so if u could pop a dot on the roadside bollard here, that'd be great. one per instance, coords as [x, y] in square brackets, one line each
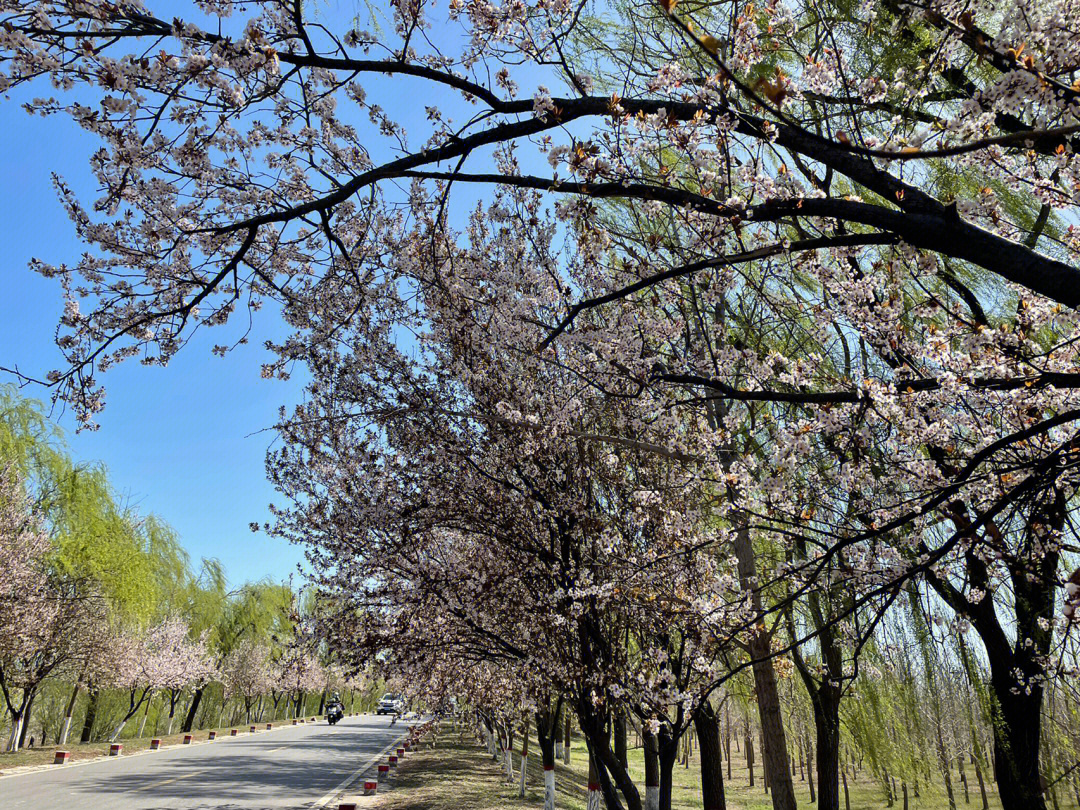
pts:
[392, 760]
[253, 729]
[234, 732]
[61, 758]
[269, 726]
[370, 787]
[187, 739]
[401, 753]
[347, 806]
[295, 722]
[212, 735]
[116, 749]
[384, 773]
[155, 744]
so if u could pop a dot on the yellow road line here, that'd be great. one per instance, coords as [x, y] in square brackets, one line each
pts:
[177, 778]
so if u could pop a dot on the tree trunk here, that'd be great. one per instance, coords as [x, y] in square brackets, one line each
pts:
[748, 748]
[547, 728]
[142, 723]
[61, 739]
[620, 737]
[524, 759]
[1016, 743]
[91, 716]
[189, 721]
[668, 754]
[774, 755]
[592, 801]
[652, 772]
[27, 712]
[707, 725]
[566, 739]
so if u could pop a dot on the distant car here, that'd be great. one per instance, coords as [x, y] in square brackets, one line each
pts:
[391, 704]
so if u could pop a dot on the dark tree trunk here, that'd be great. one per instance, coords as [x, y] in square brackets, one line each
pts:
[620, 738]
[189, 721]
[775, 754]
[827, 730]
[707, 725]
[27, 713]
[1016, 743]
[652, 770]
[91, 716]
[667, 754]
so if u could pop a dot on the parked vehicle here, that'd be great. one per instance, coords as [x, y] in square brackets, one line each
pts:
[391, 704]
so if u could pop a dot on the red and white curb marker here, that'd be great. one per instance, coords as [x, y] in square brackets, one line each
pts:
[61, 758]
[155, 744]
[370, 787]
[253, 729]
[269, 726]
[392, 761]
[384, 773]
[187, 739]
[234, 732]
[401, 753]
[347, 806]
[212, 735]
[295, 722]
[116, 749]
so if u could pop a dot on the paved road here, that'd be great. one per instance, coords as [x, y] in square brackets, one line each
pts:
[295, 767]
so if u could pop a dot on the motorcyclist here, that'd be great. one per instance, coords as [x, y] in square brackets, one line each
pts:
[334, 709]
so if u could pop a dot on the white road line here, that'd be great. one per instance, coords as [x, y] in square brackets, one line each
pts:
[352, 777]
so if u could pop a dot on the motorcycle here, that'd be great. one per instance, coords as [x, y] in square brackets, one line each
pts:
[334, 713]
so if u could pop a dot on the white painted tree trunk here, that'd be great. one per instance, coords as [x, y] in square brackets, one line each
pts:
[549, 789]
[142, 723]
[66, 729]
[524, 774]
[508, 761]
[566, 755]
[119, 728]
[652, 797]
[559, 750]
[13, 740]
[593, 802]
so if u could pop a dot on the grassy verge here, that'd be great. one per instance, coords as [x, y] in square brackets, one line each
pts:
[459, 774]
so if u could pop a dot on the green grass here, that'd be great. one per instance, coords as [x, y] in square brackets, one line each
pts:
[459, 774]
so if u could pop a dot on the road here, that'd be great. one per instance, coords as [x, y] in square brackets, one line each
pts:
[294, 767]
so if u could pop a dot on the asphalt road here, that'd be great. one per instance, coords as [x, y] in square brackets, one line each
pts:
[295, 767]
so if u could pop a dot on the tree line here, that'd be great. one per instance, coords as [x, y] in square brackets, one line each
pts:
[106, 627]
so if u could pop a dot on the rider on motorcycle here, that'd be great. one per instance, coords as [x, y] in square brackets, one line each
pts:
[334, 710]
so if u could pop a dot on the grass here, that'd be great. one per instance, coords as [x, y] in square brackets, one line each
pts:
[459, 774]
[43, 754]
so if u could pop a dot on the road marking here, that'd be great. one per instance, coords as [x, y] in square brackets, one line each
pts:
[352, 777]
[279, 748]
[178, 778]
